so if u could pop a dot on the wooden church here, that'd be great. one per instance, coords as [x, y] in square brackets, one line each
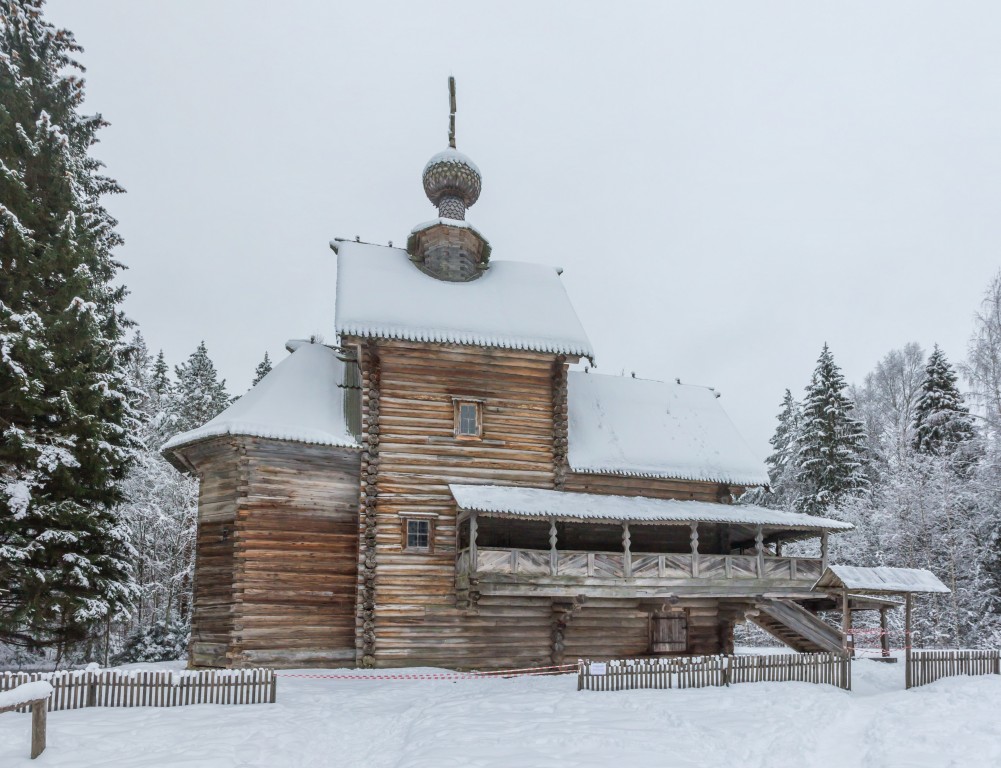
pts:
[446, 486]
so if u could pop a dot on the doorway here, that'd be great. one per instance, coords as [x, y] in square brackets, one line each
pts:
[669, 633]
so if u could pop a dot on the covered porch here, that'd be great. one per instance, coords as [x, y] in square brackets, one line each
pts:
[531, 541]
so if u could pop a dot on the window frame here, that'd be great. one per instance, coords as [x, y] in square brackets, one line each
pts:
[417, 517]
[457, 405]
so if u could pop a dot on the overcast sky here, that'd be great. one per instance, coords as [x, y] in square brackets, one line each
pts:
[727, 185]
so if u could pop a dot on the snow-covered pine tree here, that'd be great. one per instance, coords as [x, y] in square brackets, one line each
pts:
[199, 395]
[262, 370]
[161, 376]
[782, 469]
[830, 457]
[64, 422]
[942, 422]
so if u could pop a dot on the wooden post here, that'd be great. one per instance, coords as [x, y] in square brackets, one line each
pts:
[627, 566]
[472, 543]
[693, 537]
[778, 547]
[846, 623]
[38, 715]
[823, 551]
[553, 556]
[884, 638]
[759, 547]
[907, 641]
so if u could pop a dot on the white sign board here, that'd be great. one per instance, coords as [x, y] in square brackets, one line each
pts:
[599, 668]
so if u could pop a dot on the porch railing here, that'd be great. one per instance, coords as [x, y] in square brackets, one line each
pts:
[540, 562]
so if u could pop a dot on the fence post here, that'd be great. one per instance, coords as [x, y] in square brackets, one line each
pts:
[907, 641]
[274, 686]
[38, 714]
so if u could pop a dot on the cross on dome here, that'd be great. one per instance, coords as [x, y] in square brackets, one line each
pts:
[452, 181]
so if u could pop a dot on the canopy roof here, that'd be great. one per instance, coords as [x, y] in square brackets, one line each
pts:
[543, 503]
[515, 305]
[880, 580]
[299, 400]
[625, 426]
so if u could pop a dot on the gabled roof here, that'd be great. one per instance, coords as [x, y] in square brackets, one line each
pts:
[564, 505]
[299, 400]
[880, 580]
[627, 426]
[514, 305]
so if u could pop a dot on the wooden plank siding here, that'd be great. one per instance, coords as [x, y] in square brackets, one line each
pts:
[408, 612]
[213, 606]
[277, 553]
[408, 408]
[302, 557]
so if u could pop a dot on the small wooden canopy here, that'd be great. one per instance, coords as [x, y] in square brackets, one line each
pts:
[880, 581]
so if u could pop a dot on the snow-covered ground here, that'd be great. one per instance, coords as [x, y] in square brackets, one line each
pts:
[544, 721]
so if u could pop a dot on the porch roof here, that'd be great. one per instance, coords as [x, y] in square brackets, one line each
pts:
[882, 581]
[507, 501]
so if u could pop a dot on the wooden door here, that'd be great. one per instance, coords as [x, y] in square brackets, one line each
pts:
[669, 633]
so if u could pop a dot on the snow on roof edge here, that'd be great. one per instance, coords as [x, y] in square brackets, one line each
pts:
[615, 472]
[463, 337]
[542, 502]
[881, 579]
[184, 439]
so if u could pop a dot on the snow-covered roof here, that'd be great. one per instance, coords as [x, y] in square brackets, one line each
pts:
[564, 505]
[515, 305]
[299, 400]
[627, 426]
[890, 580]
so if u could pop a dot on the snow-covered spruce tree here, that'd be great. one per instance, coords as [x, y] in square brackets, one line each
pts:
[830, 456]
[262, 370]
[160, 515]
[942, 422]
[64, 421]
[782, 468]
[198, 395]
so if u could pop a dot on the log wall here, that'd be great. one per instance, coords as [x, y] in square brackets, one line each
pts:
[408, 610]
[297, 554]
[213, 606]
[276, 564]
[654, 487]
[407, 607]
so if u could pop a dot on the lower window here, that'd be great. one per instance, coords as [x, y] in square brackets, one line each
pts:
[418, 534]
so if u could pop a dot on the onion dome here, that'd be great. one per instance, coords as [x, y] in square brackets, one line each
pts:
[452, 182]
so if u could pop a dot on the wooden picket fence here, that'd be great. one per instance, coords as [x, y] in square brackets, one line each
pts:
[73, 689]
[709, 671]
[926, 667]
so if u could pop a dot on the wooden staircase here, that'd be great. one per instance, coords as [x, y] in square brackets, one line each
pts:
[795, 626]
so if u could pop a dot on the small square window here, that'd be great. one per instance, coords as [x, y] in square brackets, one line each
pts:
[467, 419]
[418, 534]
